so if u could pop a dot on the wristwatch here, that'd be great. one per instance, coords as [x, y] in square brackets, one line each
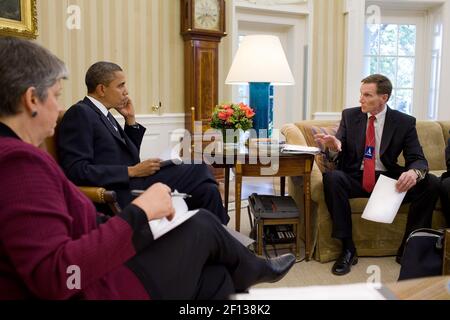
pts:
[420, 174]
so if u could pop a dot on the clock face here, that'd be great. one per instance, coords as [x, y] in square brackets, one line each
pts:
[207, 15]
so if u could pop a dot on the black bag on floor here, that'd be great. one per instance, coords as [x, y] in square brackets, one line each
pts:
[423, 254]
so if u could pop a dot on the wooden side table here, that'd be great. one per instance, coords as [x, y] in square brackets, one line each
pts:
[289, 165]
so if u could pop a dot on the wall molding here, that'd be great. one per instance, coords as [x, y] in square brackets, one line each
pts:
[162, 136]
[327, 116]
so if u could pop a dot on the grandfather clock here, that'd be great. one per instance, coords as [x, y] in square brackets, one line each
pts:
[202, 27]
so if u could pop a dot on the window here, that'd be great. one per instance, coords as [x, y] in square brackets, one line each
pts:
[436, 53]
[390, 49]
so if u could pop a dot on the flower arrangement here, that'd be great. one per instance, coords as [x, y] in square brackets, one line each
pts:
[232, 116]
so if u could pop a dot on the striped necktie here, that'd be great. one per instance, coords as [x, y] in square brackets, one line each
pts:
[112, 120]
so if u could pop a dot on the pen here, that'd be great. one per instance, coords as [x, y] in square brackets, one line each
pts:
[137, 193]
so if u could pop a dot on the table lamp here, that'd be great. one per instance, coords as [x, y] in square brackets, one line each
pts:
[260, 61]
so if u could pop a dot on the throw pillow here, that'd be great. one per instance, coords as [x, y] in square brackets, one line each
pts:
[322, 162]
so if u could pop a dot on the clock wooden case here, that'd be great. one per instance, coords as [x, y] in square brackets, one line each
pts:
[202, 27]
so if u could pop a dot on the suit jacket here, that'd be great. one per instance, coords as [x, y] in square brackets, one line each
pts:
[399, 135]
[92, 152]
[47, 225]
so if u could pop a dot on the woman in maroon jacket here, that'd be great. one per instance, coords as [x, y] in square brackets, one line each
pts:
[50, 244]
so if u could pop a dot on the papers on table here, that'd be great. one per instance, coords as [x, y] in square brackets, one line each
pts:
[359, 291]
[297, 149]
[384, 202]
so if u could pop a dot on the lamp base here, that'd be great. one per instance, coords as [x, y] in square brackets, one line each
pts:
[261, 100]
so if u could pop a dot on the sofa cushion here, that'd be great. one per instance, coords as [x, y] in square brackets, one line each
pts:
[432, 142]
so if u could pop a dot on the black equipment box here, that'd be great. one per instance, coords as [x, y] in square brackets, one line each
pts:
[273, 207]
[270, 207]
[279, 234]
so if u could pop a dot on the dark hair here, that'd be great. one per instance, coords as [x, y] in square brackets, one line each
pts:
[100, 73]
[25, 64]
[384, 85]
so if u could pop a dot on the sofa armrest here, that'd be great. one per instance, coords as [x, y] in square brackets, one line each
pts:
[293, 134]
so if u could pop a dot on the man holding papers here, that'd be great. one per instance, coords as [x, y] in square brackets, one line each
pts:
[368, 143]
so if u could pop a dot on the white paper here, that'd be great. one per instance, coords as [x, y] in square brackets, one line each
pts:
[384, 202]
[292, 148]
[162, 226]
[359, 291]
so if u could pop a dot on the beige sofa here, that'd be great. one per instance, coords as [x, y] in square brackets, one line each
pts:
[371, 239]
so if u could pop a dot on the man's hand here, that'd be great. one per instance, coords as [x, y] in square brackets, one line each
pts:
[127, 111]
[331, 142]
[156, 202]
[406, 181]
[145, 168]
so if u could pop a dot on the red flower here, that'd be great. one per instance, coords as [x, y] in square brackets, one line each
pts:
[223, 116]
[249, 113]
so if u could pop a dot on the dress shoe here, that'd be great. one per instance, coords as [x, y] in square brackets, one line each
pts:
[344, 263]
[277, 268]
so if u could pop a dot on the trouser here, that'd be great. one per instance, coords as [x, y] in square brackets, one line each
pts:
[340, 186]
[197, 260]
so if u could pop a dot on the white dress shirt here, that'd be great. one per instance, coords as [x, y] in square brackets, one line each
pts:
[379, 126]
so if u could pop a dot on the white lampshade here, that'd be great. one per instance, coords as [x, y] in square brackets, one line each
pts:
[260, 58]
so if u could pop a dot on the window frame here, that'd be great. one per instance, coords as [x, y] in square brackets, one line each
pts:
[419, 108]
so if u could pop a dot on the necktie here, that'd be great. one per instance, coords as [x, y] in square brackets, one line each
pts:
[369, 157]
[112, 120]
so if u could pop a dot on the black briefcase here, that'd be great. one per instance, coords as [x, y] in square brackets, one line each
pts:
[423, 254]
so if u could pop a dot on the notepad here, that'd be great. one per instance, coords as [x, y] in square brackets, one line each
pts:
[160, 227]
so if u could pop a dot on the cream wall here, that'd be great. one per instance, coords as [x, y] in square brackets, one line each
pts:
[143, 36]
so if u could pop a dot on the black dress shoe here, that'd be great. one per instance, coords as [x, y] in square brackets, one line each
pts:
[398, 259]
[277, 268]
[344, 263]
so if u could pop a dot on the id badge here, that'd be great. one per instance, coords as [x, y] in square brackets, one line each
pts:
[369, 153]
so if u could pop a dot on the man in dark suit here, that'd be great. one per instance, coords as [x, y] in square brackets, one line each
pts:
[368, 143]
[445, 187]
[95, 150]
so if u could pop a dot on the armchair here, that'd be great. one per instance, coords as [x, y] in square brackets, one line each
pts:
[97, 195]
